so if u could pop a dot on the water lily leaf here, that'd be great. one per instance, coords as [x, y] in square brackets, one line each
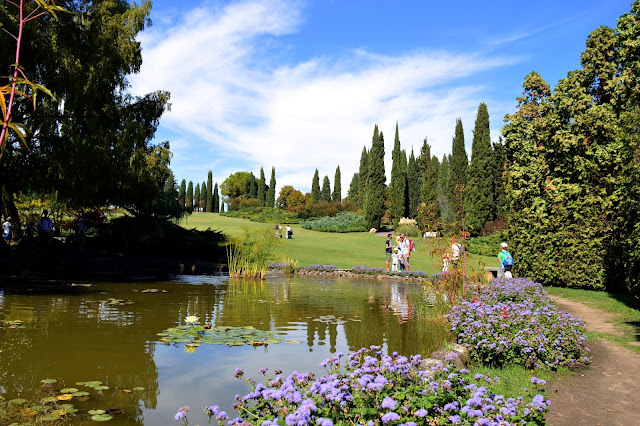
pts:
[40, 408]
[59, 412]
[68, 408]
[293, 342]
[272, 341]
[103, 387]
[101, 418]
[69, 390]
[64, 397]
[50, 417]
[93, 384]
[80, 383]
[81, 393]
[96, 412]
[17, 401]
[48, 381]
[138, 388]
[48, 400]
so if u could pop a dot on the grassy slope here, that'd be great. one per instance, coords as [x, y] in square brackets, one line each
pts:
[311, 247]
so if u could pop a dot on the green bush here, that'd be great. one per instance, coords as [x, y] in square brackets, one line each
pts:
[408, 230]
[264, 215]
[324, 208]
[342, 222]
[488, 245]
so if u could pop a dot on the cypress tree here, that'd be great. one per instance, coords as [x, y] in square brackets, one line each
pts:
[428, 178]
[271, 193]
[222, 208]
[352, 194]
[315, 188]
[363, 174]
[253, 186]
[216, 199]
[374, 198]
[458, 164]
[209, 201]
[413, 185]
[182, 193]
[189, 197]
[203, 196]
[479, 201]
[337, 187]
[196, 198]
[447, 214]
[499, 181]
[325, 192]
[397, 185]
[262, 193]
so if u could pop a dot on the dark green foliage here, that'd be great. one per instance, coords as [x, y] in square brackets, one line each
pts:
[479, 201]
[203, 196]
[428, 176]
[337, 187]
[262, 188]
[216, 199]
[182, 192]
[342, 222]
[397, 186]
[458, 164]
[408, 230]
[488, 245]
[363, 174]
[316, 196]
[237, 185]
[271, 192]
[168, 205]
[189, 197]
[413, 185]
[500, 165]
[209, 200]
[196, 197]
[325, 192]
[353, 189]
[375, 194]
[264, 214]
[253, 186]
[447, 212]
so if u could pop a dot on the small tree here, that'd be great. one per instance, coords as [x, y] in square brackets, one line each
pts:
[325, 193]
[337, 187]
[262, 190]
[196, 198]
[315, 188]
[209, 199]
[271, 193]
[182, 193]
[189, 196]
[216, 199]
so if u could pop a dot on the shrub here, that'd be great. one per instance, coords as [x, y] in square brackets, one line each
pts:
[408, 230]
[488, 245]
[370, 387]
[513, 321]
[342, 222]
[325, 208]
[264, 215]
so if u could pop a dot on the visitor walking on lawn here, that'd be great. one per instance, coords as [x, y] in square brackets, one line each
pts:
[388, 248]
[506, 262]
[404, 248]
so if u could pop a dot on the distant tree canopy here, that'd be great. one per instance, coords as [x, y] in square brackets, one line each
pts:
[91, 146]
[236, 185]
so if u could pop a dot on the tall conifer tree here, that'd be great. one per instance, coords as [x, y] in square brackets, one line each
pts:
[262, 193]
[374, 199]
[458, 164]
[203, 196]
[325, 192]
[413, 185]
[253, 186]
[352, 194]
[397, 185]
[271, 193]
[428, 180]
[216, 199]
[196, 198]
[209, 201]
[337, 187]
[363, 175]
[182, 193]
[447, 213]
[315, 188]
[479, 201]
[189, 197]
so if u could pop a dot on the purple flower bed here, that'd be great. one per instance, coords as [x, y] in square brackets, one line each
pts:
[365, 270]
[513, 321]
[319, 268]
[371, 388]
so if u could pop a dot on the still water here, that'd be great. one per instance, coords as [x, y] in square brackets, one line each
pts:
[73, 333]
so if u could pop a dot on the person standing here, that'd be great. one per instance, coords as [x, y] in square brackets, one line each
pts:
[289, 232]
[388, 248]
[7, 230]
[80, 232]
[45, 226]
[506, 262]
[404, 249]
[456, 254]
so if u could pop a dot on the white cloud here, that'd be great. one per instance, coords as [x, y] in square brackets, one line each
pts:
[234, 103]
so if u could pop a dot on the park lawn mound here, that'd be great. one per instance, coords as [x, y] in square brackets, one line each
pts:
[514, 321]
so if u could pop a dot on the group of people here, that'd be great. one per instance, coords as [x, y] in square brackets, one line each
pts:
[288, 232]
[45, 229]
[398, 255]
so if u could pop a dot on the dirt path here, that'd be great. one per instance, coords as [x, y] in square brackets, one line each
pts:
[607, 392]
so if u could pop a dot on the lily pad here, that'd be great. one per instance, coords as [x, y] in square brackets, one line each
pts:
[81, 383]
[64, 397]
[40, 408]
[81, 393]
[96, 412]
[50, 417]
[293, 342]
[68, 408]
[17, 401]
[59, 412]
[138, 388]
[69, 390]
[48, 381]
[48, 400]
[103, 387]
[101, 418]
[93, 384]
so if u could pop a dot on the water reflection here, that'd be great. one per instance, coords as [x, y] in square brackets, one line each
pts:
[108, 332]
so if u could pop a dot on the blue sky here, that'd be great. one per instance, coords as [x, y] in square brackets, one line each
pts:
[299, 85]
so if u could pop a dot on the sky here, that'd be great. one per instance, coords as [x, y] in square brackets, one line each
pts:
[299, 85]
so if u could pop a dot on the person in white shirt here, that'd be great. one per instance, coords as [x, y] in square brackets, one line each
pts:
[404, 249]
[7, 229]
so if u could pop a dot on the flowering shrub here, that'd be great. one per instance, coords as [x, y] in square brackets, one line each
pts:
[365, 270]
[513, 321]
[371, 388]
[319, 268]
[341, 222]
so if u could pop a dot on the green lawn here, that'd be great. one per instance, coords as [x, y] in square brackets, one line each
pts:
[311, 247]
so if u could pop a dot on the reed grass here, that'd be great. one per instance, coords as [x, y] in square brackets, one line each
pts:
[249, 256]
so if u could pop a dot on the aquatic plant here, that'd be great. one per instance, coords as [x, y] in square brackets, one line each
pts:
[369, 387]
[222, 335]
[249, 256]
[514, 321]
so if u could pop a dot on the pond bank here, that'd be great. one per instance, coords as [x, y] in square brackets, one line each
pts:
[355, 272]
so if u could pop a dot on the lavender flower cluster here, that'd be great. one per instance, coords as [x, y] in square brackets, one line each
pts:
[514, 321]
[319, 268]
[364, 270]
[371, 388]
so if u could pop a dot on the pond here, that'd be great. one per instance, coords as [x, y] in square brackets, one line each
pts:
[114, 332]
